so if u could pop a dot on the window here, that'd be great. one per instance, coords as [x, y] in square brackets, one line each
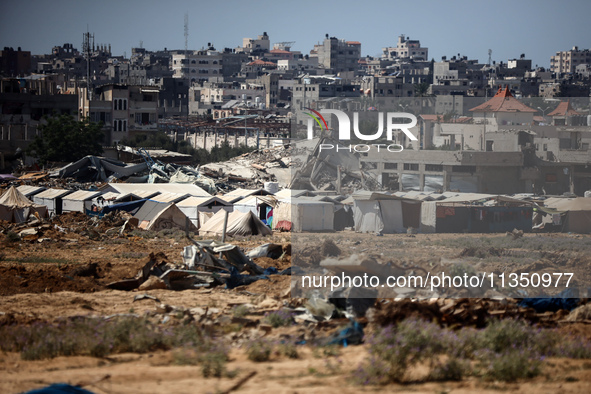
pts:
[411, 167]
[433, 167]
[390, 166]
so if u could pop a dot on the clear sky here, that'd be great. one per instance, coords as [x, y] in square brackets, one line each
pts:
[537, 28]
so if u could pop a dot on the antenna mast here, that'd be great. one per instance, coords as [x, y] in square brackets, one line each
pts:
[186, 33]
[87, 37]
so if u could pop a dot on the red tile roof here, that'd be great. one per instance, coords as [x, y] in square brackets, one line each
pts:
[260, 62]
[353, 43]
[503, 101]
[564, 109]
[280, 51]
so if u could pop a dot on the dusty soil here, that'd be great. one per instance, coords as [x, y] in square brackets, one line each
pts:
[62, 272]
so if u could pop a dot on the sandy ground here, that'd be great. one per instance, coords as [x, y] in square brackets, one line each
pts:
[39, 281]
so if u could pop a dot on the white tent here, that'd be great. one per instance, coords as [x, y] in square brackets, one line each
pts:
[52, 199]
[16, 208]
[304, 215]
[154, 215]
[375, 216]
[74, 202]
[239, 223]
[192, 207]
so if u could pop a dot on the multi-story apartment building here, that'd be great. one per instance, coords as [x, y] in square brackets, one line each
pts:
[567, 61]
[406, 49]
[14, 63]
[123, 109]
[337, 55]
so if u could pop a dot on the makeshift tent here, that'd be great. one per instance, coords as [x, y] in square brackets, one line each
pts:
[239, 223]
[476, 213]
[52, 198]
[75, 202]
[156, 216]
[239, 194]
[29, 191]
[575, 213]
[193, 206]
[299, 214]
[261, 206]
[110, 201]
[384, 213]
[16, 208]
[192, 190]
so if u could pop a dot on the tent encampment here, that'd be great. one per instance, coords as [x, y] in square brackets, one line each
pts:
[16, 208]
[239, 223]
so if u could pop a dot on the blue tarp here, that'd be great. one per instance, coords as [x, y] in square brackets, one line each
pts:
[567, 299]
[60, 388]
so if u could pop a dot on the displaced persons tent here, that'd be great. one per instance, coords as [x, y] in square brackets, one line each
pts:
[75, 202]
[156, 216]
[239, 194]
[29, 191]
[575, 213]
[261, 206]
[299, 214]
[193, 206]
[384, 213]
[192, 190]
[239, 223]
[476, 213]
[53, 199]
[110, 201]
[16, 208]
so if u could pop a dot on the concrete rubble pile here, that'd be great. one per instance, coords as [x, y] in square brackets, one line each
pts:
[252, 170]
[323, 170]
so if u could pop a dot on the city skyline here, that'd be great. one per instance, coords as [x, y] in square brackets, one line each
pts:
[537, 29]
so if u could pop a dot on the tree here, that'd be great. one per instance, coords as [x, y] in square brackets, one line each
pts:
[65, 139]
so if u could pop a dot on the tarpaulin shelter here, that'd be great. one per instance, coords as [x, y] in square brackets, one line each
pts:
[29, 190]
[192, 207]
[75, 202]
[111, 201]
[299, 214]
[16, 208]
[156, 216]
[136, 188]
[239, 223]
[261, 206]
[575, 213]
[476, 213]
[52, 199]
[384, 213]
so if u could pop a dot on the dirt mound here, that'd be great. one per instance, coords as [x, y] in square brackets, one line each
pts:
[329, 248]
[42, 278]
[394, 312]
[481, 252]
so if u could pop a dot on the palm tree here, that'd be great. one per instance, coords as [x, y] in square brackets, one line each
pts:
[422, 91]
